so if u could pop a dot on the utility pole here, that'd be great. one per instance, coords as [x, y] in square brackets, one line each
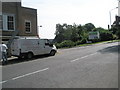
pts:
[110, 15]
[118, 14]
[118, 19]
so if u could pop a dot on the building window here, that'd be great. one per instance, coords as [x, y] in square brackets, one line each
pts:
[1, 22]
[10, 22]
[27, 26]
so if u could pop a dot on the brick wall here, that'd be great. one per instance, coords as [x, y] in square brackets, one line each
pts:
[21, 14]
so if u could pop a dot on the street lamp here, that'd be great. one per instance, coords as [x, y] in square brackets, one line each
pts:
[110, 14]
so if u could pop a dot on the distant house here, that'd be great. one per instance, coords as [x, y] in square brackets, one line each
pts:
[16, 20]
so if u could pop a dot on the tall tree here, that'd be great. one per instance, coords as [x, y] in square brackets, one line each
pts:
[89, 26]
[59, 33]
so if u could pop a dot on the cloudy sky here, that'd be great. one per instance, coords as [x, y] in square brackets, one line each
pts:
[52, 12]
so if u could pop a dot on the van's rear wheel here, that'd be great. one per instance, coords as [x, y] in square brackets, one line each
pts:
[52, 53]
[29, 55]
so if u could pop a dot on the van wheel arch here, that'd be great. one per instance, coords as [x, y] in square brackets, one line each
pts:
[30, 55]
[52, 52]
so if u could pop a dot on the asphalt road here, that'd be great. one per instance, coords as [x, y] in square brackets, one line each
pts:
[93, 66]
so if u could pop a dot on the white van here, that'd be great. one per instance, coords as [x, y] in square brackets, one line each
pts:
[27, 47]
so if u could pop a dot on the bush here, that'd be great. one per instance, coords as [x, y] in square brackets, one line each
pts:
[83, 41]
[77, 42]
[95, 40]
[106, 36]
[66, 43]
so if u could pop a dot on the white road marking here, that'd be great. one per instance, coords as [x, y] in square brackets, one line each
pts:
[83, 57]
[75, 60]
[24, 75]
[30, 74]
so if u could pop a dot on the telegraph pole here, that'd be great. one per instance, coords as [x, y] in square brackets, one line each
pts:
[110, 15]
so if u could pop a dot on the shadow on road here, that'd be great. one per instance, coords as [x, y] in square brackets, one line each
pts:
[17, 60]
[111, 49]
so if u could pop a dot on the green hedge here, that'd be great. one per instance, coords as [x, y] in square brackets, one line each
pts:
[69, 43]
[66, 43]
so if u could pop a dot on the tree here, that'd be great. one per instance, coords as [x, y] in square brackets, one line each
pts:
[89, 26]
[79, 33]
[59, 29]
[116, 31]
[59, 33]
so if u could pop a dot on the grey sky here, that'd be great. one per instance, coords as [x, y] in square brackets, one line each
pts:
[52, 12]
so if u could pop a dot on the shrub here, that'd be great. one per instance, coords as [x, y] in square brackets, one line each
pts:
[106, 36]
[66, 43]
[83, 41]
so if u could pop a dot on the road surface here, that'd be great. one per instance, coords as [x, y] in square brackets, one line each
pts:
[94, 66]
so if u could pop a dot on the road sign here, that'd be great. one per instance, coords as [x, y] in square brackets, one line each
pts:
[94, 35]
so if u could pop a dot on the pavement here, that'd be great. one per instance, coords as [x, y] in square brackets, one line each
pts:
[94, 66]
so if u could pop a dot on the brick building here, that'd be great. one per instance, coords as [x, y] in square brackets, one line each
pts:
[16, 20]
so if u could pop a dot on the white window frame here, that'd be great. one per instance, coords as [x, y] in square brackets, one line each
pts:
[5, 22]
[27, 21]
